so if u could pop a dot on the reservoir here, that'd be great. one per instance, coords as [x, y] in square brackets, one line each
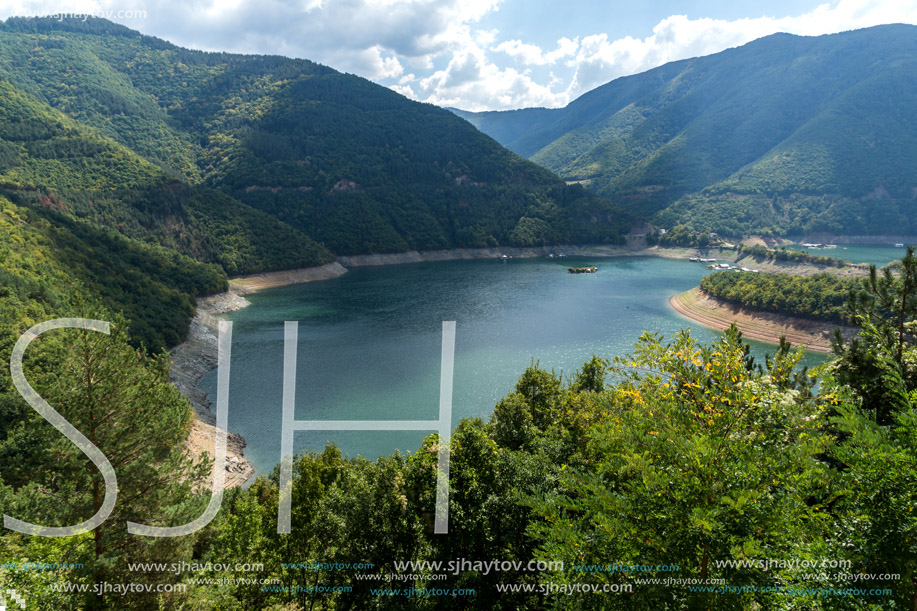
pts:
[872, 254]
[370, 340]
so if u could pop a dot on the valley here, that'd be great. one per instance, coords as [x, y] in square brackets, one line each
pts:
[599, 409]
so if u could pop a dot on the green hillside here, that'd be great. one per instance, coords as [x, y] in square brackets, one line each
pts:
[48, 161]
[341, 161]
[133, 157]
[785, 135]
[50, 266]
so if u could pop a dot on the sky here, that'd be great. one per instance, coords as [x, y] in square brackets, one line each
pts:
[479, 54]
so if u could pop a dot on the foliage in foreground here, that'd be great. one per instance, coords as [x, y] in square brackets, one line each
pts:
[692, 463]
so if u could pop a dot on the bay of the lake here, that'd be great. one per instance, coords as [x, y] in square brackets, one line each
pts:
[873, 254]
[370, 340]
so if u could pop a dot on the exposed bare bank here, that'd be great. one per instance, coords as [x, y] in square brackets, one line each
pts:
[242, 285]
[191, 360]
[755, 324]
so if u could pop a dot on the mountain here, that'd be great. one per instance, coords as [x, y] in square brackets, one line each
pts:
[147, 174]
[786, 134]
[322, 161]
[49, 161]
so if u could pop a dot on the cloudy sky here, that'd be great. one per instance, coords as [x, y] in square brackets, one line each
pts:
[480, 54]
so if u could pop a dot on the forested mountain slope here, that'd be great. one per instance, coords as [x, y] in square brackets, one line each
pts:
[339, 160]
[152, 172]
[786, 134]
[50, 162]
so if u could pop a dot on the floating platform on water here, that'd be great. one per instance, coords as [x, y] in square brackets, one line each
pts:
[583, 270]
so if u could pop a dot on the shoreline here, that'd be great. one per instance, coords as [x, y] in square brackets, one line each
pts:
[497, 252]
[196, 356]
[191, 361]
[244, 285]
[758, 325]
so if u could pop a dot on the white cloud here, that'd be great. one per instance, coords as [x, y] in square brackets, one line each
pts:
[524, 53]
[532, 55]
[364, 36]
[471, 81]
[383, 67]
[485, 37]
[565, 48]
[405, 90]
[450, 59]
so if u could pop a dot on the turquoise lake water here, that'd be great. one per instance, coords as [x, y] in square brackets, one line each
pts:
[879, 256]
[370, 340]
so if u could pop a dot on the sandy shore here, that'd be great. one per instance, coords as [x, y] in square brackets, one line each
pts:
[197, 355]
[191, 360]
[243, 285]
[755, 324]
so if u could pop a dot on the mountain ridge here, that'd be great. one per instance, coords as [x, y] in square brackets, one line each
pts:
[119, 144]
[344, 162]
[785, 134]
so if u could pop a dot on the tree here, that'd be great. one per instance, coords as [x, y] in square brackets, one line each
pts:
[700, 459]
[878, 491]
[885, 307]
[122, 401]
[591, 377]
[874, 385]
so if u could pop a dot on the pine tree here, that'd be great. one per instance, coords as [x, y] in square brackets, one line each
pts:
[122, 401]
